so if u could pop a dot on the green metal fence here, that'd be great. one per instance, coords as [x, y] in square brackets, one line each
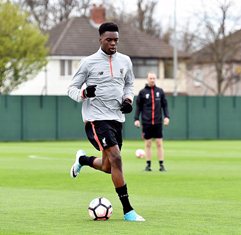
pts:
[59, 118]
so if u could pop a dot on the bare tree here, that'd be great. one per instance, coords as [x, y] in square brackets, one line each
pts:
[48, 13]
[219, 47]
[187, 38]
[39, 10]
[145, 17]
[62, 10]
[82, 7]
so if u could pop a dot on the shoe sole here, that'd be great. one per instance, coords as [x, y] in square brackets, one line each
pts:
[137, 220]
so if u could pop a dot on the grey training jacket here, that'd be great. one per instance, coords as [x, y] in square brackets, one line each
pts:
[114, 78]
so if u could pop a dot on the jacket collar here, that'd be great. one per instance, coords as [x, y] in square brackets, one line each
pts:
[102, 53]
[147, 86]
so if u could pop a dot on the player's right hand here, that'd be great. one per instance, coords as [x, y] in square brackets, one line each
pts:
[89, 91]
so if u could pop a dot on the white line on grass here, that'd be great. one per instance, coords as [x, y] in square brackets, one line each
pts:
[39, 157]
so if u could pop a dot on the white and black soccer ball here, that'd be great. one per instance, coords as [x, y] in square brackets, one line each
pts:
[140, 153]
[100, 208]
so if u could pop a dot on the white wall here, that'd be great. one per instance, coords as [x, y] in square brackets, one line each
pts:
[48, 81]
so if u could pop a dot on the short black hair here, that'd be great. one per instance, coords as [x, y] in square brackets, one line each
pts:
[108, 26]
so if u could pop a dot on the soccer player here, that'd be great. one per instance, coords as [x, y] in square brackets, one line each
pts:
[108, 95]
[150, 103]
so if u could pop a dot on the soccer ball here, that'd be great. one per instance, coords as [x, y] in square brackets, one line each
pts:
[100, 208]
[140, 153]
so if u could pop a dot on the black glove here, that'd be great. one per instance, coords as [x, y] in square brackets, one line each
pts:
[126, 106]
[89, 91]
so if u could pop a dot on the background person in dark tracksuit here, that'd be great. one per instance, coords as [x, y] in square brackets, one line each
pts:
[151, 105]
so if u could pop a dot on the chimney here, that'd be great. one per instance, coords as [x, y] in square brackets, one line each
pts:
[97, 14]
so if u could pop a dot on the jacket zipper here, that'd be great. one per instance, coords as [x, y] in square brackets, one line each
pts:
[152, 106]
[110, 62]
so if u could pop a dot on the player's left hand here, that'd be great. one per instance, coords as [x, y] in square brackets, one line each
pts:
[126, 106]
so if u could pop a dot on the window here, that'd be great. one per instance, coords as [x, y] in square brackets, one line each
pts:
[69, 67]
[141, 67]
[168, 69]
[65, 67]
[62, 67]
[198, 77]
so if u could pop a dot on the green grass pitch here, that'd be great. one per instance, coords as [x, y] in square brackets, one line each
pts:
[199, 194]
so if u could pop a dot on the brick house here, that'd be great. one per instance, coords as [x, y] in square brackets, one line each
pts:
[202, 73]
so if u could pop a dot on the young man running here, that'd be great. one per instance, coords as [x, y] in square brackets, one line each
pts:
[107, 97]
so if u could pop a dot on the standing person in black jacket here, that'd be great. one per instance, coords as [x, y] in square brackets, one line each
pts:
[151, 104]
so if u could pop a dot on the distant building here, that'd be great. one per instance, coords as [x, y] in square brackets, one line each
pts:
[202, 75]
[72, 40]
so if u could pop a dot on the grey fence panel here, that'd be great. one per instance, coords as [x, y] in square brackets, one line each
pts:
[202, 118]
[10, 118]
[178, 109]
[229, 121]
[39, 118]
[129, 129]
[69, 119]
